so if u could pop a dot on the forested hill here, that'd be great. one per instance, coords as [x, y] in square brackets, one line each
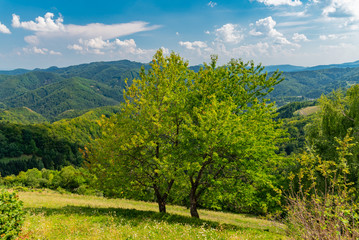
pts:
[56, 93]
[312, 84]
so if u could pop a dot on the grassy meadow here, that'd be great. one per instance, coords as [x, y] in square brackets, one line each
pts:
[52, 215]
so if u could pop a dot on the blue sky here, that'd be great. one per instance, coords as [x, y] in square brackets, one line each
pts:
[40, 34]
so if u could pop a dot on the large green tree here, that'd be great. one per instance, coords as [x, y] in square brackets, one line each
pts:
[194, 130]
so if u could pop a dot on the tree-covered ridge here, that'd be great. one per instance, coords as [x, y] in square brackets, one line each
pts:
[312, 84]
[74, 93]
[52, 146]
[23, 115]
[111, 73]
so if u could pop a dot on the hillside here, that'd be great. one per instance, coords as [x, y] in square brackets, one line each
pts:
[22, 115]
[58, 93]
[74, 93]
[111, 73]
[64, 216]
[312, 84]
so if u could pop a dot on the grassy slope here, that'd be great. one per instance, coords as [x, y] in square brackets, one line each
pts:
[55, 216]
[307, 111]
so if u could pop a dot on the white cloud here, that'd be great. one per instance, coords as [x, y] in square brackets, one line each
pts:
[41, 51]
[54, 53]
[193, 45]
[48, 27]
[126, 43]
[4, 29]
[75, 47]
[299, 37]
[342, 8]
[96, 43]
[332, 37]
[41, 24]
[293, 14]
[281, 2]
[265, 27]
[121, 48]
[228, 33]
[212, 4]
[32, 39]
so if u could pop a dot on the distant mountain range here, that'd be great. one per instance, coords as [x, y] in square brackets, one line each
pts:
[56, 93]
[96, 66]
[292, 68]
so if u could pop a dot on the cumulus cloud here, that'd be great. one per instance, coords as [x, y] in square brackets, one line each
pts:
[126, 43]
[48, 27]
[4, 29]
[265, 27]
[281, 2]
[41, 24]
[228, 33]
[96, 43]
[193, 45]
[342, 8]
[299, 37]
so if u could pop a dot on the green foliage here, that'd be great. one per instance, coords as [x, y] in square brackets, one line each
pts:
[337, 118]
[68, 179]
[74, 93]
[141, 142]
[190, 131]
[24, 147]
[21, 115]
[11, 215]
[331, 212]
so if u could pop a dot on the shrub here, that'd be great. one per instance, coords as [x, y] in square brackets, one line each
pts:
[11, 215]
[322, 206]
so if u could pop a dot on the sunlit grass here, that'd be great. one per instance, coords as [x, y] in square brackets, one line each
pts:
[51, 215]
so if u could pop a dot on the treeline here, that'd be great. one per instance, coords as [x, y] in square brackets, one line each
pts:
[68, 179]
[33, 146]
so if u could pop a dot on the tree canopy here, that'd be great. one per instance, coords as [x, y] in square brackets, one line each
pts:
[189, 131]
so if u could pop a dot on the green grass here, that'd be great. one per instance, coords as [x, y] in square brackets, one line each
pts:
[52, 215]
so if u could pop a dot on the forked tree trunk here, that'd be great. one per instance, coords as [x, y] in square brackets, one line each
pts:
[161, 200]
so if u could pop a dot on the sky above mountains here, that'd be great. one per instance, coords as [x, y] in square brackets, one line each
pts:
[40, 34]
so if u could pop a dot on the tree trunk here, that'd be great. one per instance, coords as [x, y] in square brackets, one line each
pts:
[193, 199]
[161, 199]
[161, 205]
